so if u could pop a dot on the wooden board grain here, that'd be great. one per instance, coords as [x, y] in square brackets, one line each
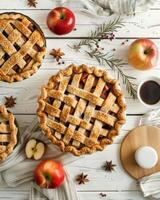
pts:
[141, 25]
[28, 90]
[48, 4]
[140, 136]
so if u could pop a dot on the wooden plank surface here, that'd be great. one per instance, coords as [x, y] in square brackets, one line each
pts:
[117, 185]
[142, 25]
[26, 101]
[48, 4]
[23, 195]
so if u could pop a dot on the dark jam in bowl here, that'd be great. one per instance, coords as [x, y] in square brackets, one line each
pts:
[150, 92]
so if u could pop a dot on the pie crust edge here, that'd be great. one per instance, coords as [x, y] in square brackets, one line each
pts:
[67, 72]
[13, 132]
[36, 66]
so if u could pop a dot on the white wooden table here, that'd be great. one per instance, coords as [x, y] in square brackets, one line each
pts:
[117, 185]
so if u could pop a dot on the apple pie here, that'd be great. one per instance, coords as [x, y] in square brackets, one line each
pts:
[8, 132]
[81, 109]
[22, 47]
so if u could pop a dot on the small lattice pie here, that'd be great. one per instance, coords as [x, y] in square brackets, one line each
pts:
[22, 47]
[81, 109]
[8, 132]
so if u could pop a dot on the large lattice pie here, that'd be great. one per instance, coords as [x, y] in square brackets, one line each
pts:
[8, 132]
[22, 47]
[81, 109]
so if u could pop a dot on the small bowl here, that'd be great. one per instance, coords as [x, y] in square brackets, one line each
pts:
[150, 78]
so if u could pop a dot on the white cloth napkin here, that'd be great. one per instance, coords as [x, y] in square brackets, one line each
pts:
[16, 169]
[57, 194]
[150, 185]
[102, 8]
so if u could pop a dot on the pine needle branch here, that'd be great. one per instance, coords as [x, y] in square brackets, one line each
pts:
[100, 33]
[116, 65]
[110, 27]
[105, 31]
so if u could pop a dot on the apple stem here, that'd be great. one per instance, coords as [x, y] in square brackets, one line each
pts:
[147, 51]
[63, 16]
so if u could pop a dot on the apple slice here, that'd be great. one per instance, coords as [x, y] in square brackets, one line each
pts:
[30, 146]
[40, 148]
[34, 149]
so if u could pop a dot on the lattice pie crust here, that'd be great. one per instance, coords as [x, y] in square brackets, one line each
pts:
[8, 132]
[22, 47]
[81, 109]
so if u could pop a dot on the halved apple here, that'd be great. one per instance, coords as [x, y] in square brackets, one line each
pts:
[34, 149]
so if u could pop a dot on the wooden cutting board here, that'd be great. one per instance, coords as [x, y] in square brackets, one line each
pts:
[140, 136]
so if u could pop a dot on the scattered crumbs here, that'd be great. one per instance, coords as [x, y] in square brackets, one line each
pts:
[124, 42]
[102, 194]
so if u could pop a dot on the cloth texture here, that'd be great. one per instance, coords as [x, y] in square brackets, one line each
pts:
[102, 8]
[150, 185]
[17, 169]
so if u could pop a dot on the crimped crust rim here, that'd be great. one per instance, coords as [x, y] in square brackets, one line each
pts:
[26, 74]
[121, 114]
[14, 131]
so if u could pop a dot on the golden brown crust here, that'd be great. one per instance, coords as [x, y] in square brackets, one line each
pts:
[11, 130]
[90, 144]
[25, 38]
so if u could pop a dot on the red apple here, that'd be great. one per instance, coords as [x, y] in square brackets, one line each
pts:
[143, 54]
[49, 174]
[61, 20]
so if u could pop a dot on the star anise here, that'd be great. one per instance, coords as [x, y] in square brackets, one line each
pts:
[32, 3]
[82, 179]
[57, 54]
[10, 102]
[109, 166]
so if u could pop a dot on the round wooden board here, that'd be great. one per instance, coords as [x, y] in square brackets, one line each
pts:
[140, 136]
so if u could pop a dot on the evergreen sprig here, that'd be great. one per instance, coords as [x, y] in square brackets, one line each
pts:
[100, 33]
[105, 31]
[116, 65]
